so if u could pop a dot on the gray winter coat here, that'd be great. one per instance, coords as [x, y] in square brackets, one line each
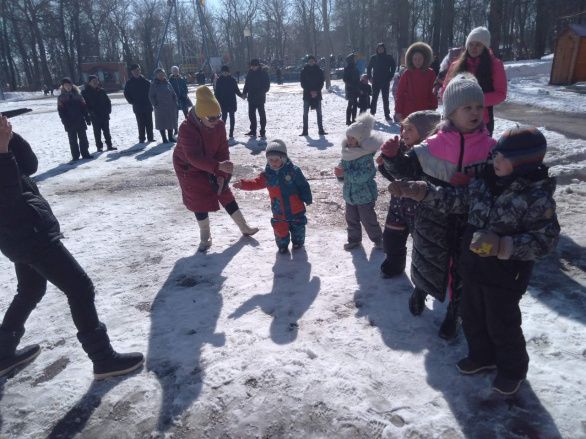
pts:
[164, 100]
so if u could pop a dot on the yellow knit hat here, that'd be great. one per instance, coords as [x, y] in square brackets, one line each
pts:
[206, 104]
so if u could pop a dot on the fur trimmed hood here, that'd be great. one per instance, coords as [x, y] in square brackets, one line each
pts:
[422, 48]
[367, 146]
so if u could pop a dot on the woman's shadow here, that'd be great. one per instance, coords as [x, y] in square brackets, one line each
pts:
[183, 319]
[293, 292]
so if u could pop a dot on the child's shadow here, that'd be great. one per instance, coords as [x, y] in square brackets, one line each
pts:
[293, 292]
[479, 410]
[183, 319]
[384, 303]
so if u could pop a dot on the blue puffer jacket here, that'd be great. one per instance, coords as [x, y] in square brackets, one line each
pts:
[359, 184]
[288, 189]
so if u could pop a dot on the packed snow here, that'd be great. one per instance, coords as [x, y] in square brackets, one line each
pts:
[243, 342]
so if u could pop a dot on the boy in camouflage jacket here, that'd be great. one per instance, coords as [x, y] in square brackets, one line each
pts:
[511, 223]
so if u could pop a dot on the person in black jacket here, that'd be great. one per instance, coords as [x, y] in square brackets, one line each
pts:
[352, 86]
[99, 107]
[226, 91]
[364, 95]
[136, 92]
[30, 237]
[381, 69]
[312, 81]
[256, 87]
[73, 112]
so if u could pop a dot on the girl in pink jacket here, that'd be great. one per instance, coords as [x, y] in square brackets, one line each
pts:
[452, 156]
[479, 60]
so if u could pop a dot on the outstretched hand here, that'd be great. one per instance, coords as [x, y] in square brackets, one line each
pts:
[226, 166]
[391, 147]
[416, 190]
[5, 134]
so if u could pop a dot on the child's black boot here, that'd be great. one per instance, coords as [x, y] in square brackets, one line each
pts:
[394, 242]
[107, 362]
[452, 321]
[10, 358]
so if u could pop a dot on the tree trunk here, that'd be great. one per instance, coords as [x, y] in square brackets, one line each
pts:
[540, 29]
[437, 26]
[327, 42]
[402, 23]
[447, 26]
[495, 25]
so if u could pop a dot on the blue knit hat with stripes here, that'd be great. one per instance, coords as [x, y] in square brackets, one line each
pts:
[524, 146]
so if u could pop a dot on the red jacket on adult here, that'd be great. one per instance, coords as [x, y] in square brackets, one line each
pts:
[415, 92]
[197, 155]
[499, 81]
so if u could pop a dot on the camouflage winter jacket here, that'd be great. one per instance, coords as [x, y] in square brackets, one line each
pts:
[523, 209]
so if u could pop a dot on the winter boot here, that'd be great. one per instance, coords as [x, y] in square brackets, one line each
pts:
[417, 301]
[466, 366]
[242, 225]
[107, 362]
[170, 136]
[163, 136]
[395, 248]
[506, 386]
[10, 358]
[205, 237]
[452, 321]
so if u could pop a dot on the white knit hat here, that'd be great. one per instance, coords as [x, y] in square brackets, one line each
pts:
[361, 129]
[479, 34]
[276, 147]
[462, 89]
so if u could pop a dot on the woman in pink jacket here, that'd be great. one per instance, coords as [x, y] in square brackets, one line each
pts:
[479, 60]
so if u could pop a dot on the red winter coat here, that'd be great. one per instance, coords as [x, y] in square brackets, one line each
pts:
[499, 82]
[415, 92]
[197, 155]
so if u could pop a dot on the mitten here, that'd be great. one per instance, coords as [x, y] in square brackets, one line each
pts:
[395, 188]
[416, 190]
[391, 147]
[459, 179]
[485, 243]
[88, 121]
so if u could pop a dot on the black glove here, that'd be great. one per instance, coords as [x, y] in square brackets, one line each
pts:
[88, 121]
[214, 183]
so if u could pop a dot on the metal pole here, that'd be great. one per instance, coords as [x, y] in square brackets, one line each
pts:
[203, 33]
[171, 4]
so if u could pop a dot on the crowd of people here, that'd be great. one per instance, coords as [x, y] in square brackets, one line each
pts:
[480, 211]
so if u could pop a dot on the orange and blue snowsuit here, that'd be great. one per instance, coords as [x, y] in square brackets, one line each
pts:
[289, 192]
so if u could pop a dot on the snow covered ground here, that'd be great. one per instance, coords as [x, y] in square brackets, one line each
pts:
[243, 342]
[528, 83]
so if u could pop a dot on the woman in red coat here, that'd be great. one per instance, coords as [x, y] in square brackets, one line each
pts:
[415, 92]
[479, 60]
[202, 163]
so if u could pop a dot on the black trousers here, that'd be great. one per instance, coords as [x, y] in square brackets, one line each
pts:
[99, 126]
[59, 267]
[351, 110]
[385, 92]
[81, 147]
[232, 120]
[306, 105]
[145, 125]
[491, 319]
[252, 109]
